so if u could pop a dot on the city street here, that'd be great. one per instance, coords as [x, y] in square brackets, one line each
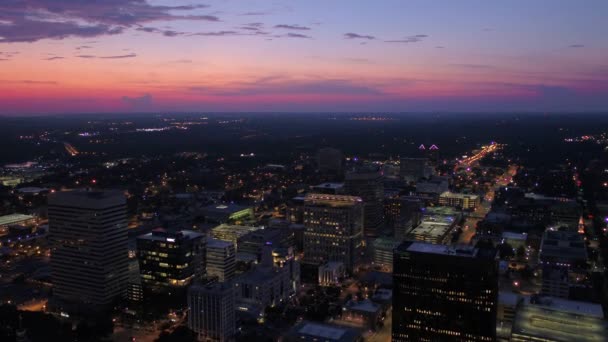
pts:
[384, 334]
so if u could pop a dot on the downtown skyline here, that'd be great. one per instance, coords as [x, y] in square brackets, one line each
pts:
[260, 56]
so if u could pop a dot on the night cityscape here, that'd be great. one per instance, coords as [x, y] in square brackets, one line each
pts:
[338, 171]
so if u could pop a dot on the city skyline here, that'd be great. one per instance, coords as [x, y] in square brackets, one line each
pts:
[170, 56]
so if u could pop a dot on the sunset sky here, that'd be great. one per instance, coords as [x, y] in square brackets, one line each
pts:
[83, 56]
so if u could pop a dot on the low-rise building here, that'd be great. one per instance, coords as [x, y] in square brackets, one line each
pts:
[464, 201]
[328, 188]
[306, 331]
[331, 273]
[365, 313]
[224, 213]
[266, 284]
[15, 219]
[431, 232]
[554, 319]
[231, 232]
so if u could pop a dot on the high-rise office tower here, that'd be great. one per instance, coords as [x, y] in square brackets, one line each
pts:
[444, 293]
[89, 257]
[212, 311]
[409, 217]
[368, 184]
[412, 169]
[330, 160]
[221, 259]
[563, 259]
[170, 260]
[333, 229]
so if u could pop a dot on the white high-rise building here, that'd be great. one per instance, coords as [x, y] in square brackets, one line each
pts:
[212, 312]
[221, 259]
[89, 258]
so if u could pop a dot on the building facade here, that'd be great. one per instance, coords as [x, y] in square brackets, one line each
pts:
[89, 257]
[563, 259]
[212, 314]
[464, 201]
[442, 293]
[170, 260]
[221, 259]
[368, 185]
[333, 229]
[412, 169]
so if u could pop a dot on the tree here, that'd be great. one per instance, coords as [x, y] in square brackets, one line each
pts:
[521, 252]
[505, 251]
[484, 243]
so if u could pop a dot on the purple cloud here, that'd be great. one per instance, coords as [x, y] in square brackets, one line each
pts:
[215, 34]
[254, 13]
[409, 39]
[53, 58]
[351, 35]
[33, 82]
[285, 86]
[577, 46]
[296, 35]
[292, 27]
[33, 20]
[131, 55]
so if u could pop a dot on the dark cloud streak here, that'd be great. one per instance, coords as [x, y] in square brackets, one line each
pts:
[351, 35]
[131, 55]
[33, 20]
[292, 27]
[409, 39]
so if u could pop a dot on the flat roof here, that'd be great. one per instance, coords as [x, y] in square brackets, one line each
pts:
[464, 251]
[31, 190]
[514, 236]
[14, 218]
[458, 195]
[440, 211]
[229, 208]
[561, 321]
[386, 243]
[168, 235]
[87, 198]
[570, 306]
[329, 185]
[562, 244]
[433, 229]
[322, 330]
[332, 198]
[217, 243]
[421, 247]
[234, 228]
[363, 305]
[383, 294]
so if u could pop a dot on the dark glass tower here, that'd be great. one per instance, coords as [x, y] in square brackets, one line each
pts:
[444, 293]
[170, 260]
